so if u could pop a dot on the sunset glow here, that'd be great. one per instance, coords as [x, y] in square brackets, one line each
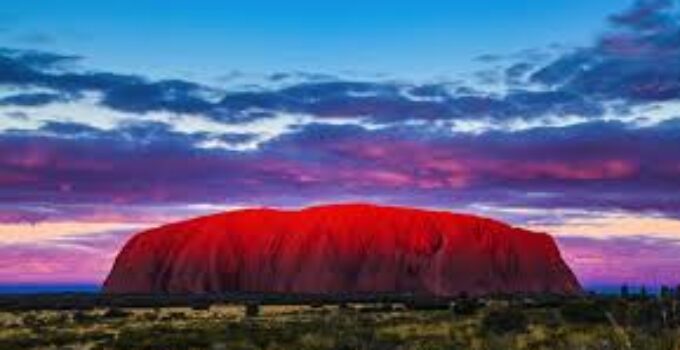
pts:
[572, 130]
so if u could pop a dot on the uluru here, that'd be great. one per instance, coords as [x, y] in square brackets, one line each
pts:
[344, 248]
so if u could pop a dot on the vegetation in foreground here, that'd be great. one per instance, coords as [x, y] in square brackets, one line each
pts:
[584, 323]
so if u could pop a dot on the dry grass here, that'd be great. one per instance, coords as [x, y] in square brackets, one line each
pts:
[321, 328]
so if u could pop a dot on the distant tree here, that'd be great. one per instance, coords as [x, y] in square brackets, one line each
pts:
[643, 292]
[625, 293]
[665, 292]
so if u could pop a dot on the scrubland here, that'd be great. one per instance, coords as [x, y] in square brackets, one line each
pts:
[581, 323]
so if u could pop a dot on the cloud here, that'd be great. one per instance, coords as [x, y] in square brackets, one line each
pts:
[645, 15]
[52, 232]
[392, 103]
[611, 225]
[579, 135]
[32, 99]
[25, 66]
[83, 260]
[103, 213]
[380, 102]
[637, 60]
[618, 261]
[595, 165]
[634, 62]
[122, 92]
[171, 95]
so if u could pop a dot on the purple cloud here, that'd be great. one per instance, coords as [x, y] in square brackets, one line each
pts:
[614, 262]
[594, 165]
[637, 60]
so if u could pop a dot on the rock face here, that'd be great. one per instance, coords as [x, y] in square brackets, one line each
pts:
[341, 249]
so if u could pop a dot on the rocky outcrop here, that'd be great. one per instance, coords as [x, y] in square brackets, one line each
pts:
[341, 249]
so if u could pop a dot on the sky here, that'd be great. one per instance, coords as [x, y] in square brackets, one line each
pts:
[559, 116]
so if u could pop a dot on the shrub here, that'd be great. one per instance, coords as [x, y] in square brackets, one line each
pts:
[83, 317]
[115, 312]
[506, 320]
[584, 312]
[466, 307]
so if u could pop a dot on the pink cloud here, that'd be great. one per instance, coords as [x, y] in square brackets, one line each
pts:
[85, 260]
[636, 261]
[565, 170]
